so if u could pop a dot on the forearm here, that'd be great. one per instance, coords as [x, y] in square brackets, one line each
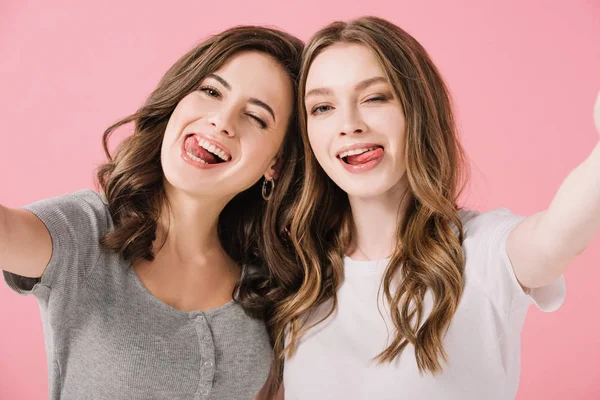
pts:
[573, 218]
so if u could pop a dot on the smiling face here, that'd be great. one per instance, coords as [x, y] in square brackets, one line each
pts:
[224, 136]
[355, 123]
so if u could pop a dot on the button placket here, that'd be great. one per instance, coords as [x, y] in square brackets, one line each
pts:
[207, 352]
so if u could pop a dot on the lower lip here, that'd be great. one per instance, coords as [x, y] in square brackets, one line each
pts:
[197, 164]
[355, 169]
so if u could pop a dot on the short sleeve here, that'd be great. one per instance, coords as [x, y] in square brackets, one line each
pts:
[485, 247]
[76, 222]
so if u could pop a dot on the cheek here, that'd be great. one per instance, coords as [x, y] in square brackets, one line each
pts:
[191, 108]
[169, 150]
[171, 130]
[258, 152]
[391, 125]
[318, 137]
[317, 147]
[177, 121]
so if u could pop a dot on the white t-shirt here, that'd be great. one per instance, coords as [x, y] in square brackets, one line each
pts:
[334, 360]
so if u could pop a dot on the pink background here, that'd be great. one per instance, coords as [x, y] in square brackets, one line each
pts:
[524, 75]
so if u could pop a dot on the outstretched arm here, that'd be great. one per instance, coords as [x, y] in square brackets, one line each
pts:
[25, 244]
[543, 245]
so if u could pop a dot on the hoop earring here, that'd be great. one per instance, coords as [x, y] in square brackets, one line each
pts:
[267, 193]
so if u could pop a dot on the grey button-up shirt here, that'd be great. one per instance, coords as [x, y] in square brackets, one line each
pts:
[108, 337]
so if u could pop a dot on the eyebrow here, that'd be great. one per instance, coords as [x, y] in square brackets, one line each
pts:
[264, 105]
[220, 80]
[359, 86]
[252, 100]
[371, 81]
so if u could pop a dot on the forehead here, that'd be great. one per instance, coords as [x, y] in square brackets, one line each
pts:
[258, 75]
[343, 64]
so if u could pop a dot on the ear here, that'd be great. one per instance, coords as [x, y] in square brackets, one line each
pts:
[274, 168]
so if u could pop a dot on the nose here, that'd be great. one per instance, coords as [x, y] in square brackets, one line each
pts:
[352, 122]
[223, 121]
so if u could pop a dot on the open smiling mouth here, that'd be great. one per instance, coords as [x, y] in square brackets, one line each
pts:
[202, 151]
[361, 156]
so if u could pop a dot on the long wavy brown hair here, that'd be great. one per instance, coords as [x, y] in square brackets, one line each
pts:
[428, 256]
[132, 178]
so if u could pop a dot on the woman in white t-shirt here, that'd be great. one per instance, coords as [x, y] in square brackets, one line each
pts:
[400, 294]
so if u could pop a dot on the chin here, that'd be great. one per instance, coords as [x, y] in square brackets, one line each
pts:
[368, 188]
[363, 189]
[177, 180]
[365, 193]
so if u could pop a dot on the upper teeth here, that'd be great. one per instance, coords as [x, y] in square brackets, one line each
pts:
[356, 151]
[213, 149]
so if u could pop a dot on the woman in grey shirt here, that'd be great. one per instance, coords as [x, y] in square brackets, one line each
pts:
[144, 289]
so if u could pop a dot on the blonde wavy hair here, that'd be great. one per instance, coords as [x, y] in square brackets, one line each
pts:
[428, 256]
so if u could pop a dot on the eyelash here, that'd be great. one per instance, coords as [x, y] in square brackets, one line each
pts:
[262, 124]
[315, 109]
[208, 89]
[376, 99]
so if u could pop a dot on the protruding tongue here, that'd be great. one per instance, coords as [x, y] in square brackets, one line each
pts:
[191, 145]
[365, 157]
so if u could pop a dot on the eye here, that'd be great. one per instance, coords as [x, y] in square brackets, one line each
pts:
[261, 123]
[376, 99]
[320, 109]
[210, 91]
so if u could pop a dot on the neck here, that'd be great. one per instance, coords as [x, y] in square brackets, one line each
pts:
[376, 222]
[187, 228]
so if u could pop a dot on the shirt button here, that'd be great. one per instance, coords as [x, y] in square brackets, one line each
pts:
[204, 392]
[206, 338]
[208, 364]
[199, 317]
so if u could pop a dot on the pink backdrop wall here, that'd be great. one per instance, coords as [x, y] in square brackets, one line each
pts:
[524, 75]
